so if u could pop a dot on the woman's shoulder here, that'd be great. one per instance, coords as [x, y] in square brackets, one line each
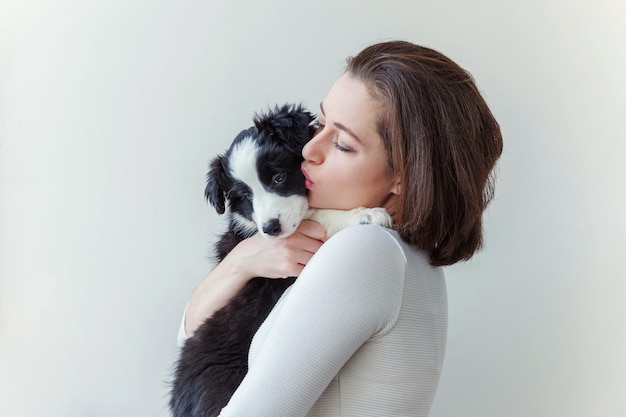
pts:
[365, 261]
[377, 241]
[366, 238]
[368, 233]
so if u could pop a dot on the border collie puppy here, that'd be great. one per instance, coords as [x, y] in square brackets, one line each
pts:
[260, 182]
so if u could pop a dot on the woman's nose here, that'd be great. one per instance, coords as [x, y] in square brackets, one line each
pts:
[312, 151]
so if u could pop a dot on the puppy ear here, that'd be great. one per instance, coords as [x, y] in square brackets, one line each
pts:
[214, 192]
[290, 124]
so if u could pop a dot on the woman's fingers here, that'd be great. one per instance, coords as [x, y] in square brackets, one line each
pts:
[282, 257]
[312, 229]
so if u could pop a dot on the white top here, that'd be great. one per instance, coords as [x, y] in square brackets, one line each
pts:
[360, 333]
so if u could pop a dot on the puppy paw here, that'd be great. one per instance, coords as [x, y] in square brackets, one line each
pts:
[377, 215]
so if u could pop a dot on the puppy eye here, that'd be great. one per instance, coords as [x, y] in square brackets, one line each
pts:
[278, 178]
[247, 196]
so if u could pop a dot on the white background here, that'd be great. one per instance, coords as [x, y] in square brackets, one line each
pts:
[110, 112]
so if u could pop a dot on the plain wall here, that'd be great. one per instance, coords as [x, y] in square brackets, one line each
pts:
[110, 112]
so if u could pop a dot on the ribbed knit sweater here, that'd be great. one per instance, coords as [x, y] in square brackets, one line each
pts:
[360, 333]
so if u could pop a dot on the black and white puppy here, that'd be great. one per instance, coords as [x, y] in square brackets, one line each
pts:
[260, 182]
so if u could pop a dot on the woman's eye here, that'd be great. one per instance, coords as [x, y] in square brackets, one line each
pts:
[278, 178]
[340, 147]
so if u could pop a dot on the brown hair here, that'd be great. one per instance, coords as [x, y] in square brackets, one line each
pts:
[442, 142]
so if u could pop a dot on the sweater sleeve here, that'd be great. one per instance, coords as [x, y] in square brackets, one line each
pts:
[349, 292]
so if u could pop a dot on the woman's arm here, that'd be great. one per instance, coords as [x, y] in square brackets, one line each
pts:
[253, 257]
[349, 292]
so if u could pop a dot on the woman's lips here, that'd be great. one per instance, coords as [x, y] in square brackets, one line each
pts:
[307, 180]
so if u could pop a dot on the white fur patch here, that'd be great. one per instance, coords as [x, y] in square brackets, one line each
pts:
[243, 163]
[244, 226]
[335, 220]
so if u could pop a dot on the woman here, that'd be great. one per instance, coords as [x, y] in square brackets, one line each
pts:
[362, 331]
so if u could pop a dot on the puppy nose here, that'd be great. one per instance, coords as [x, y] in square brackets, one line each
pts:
[272, 227]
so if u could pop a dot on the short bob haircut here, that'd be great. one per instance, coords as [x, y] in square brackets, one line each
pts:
[442, 141]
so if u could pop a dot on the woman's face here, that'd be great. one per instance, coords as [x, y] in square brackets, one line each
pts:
[345, 164]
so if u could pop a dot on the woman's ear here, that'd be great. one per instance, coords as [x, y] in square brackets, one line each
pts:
[396, 188]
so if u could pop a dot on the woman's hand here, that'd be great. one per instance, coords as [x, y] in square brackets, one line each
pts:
[254, 257]
[278, 258]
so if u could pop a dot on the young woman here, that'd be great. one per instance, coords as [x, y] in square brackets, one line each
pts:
[362, 331]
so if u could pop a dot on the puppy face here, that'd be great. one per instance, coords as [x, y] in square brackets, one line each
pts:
[260, 177]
